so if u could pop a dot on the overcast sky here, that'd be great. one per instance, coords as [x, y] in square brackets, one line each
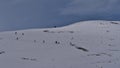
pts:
[25, 14]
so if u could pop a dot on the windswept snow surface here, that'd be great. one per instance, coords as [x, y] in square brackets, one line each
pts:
[88, 44]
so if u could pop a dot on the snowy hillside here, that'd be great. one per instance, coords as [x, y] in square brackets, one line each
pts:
[88, 44]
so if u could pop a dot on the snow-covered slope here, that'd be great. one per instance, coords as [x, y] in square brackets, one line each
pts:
[88, 44]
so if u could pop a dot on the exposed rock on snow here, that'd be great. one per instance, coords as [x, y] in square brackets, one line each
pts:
[87, 44]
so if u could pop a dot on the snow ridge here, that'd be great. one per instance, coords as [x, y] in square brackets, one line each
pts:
[87, 44]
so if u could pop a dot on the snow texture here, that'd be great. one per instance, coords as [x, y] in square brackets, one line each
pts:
[87, 44]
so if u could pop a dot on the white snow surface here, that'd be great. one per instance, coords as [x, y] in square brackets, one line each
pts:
[87, 44]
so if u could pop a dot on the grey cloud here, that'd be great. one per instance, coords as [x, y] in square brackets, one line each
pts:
[17, 14]
[88, 7]
[25, 14]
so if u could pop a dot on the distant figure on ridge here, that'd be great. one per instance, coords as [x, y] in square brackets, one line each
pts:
[55, 26]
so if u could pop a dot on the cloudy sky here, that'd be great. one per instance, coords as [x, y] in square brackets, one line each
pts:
[25, 14]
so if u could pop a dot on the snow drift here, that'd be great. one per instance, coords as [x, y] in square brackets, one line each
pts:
[88, 44]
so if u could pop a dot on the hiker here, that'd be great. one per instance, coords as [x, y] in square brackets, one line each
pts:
[15, 33]
[22, 33]
[43, 41]
[34, 40]
[55, 26]
[57, 42]
[17, 38]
